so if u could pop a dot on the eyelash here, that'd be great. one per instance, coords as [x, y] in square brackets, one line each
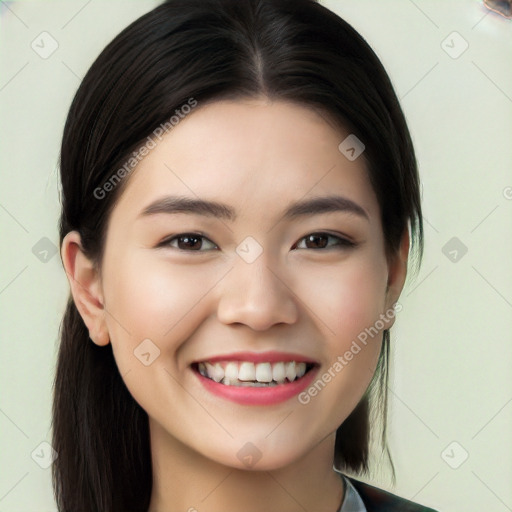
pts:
[343, 243]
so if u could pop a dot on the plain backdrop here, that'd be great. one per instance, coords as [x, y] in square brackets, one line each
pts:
[450, 388]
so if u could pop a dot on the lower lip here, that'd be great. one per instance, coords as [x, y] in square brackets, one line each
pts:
[258, 395]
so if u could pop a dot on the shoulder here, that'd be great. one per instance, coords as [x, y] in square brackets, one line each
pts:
[378, 500]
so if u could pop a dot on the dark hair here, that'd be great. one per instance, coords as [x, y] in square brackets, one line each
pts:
[293, 50]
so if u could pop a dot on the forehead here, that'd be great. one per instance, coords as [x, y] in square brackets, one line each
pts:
[254, 155]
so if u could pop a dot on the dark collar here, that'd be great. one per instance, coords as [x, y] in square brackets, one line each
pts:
[378, 500]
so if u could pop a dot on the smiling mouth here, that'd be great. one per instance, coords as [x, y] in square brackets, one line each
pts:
[249, 374]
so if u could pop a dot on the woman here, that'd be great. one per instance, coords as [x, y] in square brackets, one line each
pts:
[239, 196]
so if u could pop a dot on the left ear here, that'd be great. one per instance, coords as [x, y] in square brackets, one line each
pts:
[397, 272]
[85, 284]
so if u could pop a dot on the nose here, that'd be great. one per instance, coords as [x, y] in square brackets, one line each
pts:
[257, 296]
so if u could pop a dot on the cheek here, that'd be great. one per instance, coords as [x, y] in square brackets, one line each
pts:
[150, 297]
[347, 298]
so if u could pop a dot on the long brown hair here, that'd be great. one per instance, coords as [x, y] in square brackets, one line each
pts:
[294, 50]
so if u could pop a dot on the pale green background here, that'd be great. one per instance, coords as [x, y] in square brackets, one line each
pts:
[452, 345]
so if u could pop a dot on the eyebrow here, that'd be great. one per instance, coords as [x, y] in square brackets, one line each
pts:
[302, 208]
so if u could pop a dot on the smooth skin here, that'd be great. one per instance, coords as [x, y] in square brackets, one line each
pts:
[201, 299]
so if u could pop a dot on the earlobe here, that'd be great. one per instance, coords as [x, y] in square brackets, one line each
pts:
[85, 284]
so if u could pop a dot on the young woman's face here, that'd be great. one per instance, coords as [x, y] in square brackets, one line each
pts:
[256, 286]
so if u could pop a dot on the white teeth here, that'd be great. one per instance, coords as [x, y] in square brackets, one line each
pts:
[300, 368]
[264, 372]
[215, 372]
[290, 371]
[246, 373]
[231, 382]
[278, 372]
[231, 371]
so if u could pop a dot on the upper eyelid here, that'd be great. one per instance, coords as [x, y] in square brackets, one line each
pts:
[167, 240]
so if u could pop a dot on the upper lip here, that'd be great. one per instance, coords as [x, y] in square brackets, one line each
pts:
[259, 357]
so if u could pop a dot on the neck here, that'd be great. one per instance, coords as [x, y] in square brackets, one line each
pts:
[185, 480]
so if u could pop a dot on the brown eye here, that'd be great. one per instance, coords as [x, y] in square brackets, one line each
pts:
[321, 241]
[192, 242]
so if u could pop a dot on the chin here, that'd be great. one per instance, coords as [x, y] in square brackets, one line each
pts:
[251, 458]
